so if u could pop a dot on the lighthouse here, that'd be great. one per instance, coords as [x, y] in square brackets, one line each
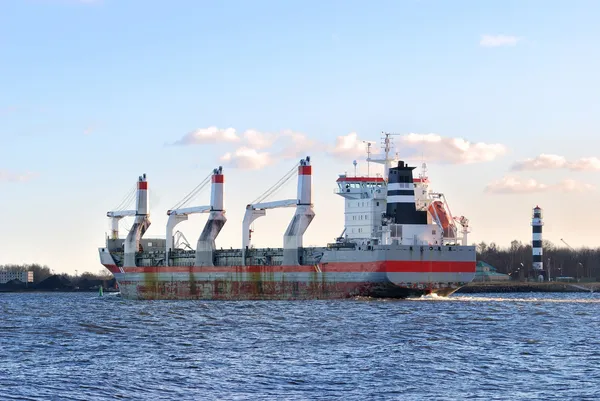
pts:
[536, 243]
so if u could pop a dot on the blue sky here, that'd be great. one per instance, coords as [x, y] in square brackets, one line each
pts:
[94, 93]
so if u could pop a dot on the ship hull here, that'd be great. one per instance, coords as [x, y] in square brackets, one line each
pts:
[333, 281]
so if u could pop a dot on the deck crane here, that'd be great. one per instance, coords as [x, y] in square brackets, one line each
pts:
[140, 224]
[464, 223]
[119, 212]
[302, 218]
[206, 242]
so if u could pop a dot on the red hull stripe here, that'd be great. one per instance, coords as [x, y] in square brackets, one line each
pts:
[218, 178]
[388, 267]
[305, 170]
[142, 184]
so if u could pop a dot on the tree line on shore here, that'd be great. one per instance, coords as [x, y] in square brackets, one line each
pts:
[42, 272]
[517, 259]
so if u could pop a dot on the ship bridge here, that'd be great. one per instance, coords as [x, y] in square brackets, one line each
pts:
[351, 187]
[365, 202]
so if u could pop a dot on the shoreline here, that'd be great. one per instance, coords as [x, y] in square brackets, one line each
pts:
[38, 290]
[519, 286]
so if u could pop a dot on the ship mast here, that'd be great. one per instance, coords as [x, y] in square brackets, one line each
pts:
[387, 160]
[369, 143]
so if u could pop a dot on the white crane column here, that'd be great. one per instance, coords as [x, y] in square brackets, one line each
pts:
[216, 220]
[140, 225]
[114, 227]
[251, 214]
[292, 239]
[173, 220]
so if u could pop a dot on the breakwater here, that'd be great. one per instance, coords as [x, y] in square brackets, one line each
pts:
[518, 286]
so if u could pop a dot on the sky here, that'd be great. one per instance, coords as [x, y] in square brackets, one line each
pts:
[500, 98]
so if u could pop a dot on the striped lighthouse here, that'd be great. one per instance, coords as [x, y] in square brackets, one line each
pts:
[536, 244]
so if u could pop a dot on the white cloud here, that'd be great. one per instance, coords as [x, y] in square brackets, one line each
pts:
[540, 162]
[247, 159]
[297, 145]
[292, 142]
[515, 185]
[435, 148]
[288, 144]
[283, 146]
[570, 185]
[10, 176]
[549, 161]
[351, 146]
[209, 135]
[498, 40]
[259, 140]
[585, 164]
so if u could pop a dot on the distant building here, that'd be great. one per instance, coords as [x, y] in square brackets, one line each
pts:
[24, 277]
[487, 272]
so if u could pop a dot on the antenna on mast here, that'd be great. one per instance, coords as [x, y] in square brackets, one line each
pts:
[355, 163]
[368, 158]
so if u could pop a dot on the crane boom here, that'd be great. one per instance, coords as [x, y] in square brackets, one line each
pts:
[120, 213]
[115, 216]
[565, 242]
[273, 204]
[189, 210]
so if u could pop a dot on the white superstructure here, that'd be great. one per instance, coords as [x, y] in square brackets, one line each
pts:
[366, 200]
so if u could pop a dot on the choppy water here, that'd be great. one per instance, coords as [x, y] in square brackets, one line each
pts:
[489, 347]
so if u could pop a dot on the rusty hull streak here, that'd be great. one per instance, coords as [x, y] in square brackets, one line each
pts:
[266, 290]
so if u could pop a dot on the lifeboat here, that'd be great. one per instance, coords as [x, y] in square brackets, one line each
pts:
[438, 213]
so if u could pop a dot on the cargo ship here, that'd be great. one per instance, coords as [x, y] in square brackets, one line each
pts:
[399, 240]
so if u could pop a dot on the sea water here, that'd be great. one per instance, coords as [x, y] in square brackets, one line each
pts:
[79, 346]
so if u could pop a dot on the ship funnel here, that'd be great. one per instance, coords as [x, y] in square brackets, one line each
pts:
[401, 205]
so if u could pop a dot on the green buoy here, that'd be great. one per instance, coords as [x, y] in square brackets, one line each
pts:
[100, 291]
